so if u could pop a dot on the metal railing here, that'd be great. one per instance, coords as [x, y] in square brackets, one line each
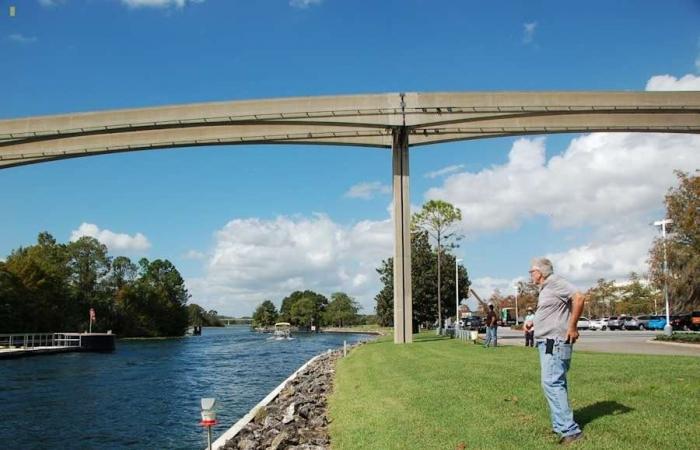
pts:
[462, 334]
[34, 340]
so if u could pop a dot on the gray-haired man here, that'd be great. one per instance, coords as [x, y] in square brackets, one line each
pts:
[558, 308]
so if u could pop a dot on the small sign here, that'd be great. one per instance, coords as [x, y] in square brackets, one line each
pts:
[92, 315]
[12, 11]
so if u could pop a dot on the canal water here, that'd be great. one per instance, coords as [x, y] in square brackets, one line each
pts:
[146, 395]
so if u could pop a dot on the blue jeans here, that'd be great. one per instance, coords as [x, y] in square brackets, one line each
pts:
[491, 336]
[553, 373]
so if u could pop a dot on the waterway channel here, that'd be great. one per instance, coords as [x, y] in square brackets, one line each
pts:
[147, 393]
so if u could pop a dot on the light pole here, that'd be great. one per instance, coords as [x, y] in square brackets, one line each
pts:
[457, 261]
[516, 304]
[668, 329]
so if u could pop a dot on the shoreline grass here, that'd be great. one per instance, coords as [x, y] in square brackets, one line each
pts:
[439, 393]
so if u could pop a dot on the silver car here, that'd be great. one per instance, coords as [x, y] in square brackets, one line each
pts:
[630, 323]
[616, 322]
[599, 324]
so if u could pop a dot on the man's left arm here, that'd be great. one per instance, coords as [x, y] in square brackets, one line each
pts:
[577, 301]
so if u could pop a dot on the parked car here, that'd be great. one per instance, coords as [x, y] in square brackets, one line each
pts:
[643, 322]
[682, 321]
[599, 324]
[474, 323]
[616, 322]
[630, 323]
[583, 323]
[695, 320]
[657, 322]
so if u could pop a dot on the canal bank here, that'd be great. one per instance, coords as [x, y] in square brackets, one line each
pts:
[293, 414]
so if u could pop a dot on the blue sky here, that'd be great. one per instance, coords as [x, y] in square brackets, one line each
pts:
[247, 223]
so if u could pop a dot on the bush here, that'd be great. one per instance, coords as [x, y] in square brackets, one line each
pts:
[693, 338]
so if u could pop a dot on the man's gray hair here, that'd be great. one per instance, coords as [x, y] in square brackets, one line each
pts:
[543, 265]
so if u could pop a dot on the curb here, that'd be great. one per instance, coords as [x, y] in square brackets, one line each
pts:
[677, 344]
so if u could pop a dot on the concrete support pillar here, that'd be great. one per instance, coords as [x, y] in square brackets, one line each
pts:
[403, 298]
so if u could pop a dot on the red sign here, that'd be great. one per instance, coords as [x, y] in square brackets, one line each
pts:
[92, 315]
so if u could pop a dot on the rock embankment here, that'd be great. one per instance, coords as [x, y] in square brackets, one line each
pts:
[296, 419]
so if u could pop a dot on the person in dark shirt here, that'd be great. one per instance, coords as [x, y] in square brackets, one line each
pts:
[491, 327]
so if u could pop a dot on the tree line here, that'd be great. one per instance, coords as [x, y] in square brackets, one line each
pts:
[308, 308]
[50, 287]
[607, 298]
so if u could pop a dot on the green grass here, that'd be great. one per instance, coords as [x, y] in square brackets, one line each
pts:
[438, 393]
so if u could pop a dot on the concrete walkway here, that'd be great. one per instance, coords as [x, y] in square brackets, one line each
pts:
[630, 342]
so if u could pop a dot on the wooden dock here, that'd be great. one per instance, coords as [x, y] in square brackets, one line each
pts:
[34, 344]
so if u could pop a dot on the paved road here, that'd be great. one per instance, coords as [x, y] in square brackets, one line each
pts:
[635, 342]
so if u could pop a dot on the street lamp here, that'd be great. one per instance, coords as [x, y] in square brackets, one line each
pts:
[516, 304]
[457, 261]
[668, 329]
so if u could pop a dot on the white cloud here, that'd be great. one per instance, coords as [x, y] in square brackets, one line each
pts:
[256, 259]
[529, 32]
[670, 83]
[609, 257]
[113, 241]
[303, 4]
[158, 3]
[445, 171]
[598, 178]
[22, 39]
[367, 190]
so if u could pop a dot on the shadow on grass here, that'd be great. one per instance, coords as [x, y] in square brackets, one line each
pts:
[588, 414]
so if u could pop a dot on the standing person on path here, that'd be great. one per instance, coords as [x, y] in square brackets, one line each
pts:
[491, 327]
[558, 308]
[529, 328]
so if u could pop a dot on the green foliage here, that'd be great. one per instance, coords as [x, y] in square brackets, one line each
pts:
[602, 298]
[682, 246]
[200, 317]
[341, 311]
[385, 298]
[303, 308]
[424, 284]
[637, 297]
[302, 312]
[437, 218]
[50, 287]
[693, 338]
[44, 279]
[265, 315]
[634, 298]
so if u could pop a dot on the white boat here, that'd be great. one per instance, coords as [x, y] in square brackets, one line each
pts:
[283, 332]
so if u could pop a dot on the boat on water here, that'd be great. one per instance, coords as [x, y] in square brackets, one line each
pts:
[283, 332]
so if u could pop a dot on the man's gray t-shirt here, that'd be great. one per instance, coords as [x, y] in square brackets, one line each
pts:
[553, 308]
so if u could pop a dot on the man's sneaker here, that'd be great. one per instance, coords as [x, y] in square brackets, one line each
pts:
[566, 440]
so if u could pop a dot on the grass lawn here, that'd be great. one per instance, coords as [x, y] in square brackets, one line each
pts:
[439, 393]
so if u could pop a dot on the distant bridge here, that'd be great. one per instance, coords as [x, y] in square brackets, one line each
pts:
[235, 321]
[387, 121]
